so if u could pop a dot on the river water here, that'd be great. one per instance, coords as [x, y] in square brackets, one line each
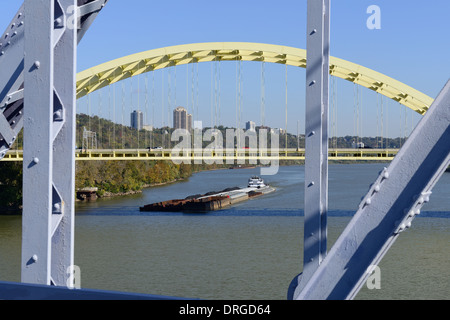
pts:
[251, 251]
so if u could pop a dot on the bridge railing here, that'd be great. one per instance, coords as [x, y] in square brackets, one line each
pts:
[344, 154]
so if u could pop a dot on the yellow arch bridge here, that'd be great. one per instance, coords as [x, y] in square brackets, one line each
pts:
[95, 78]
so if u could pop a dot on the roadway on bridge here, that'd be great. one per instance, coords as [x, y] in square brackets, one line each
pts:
[290, 154]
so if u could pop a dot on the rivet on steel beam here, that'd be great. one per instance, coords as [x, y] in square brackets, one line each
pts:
[368, 201]
[37, 64]
[386, 174]
[312, 83]
[36, 160]
[414, 213]
[58, 22]
[314, 31]
[421, 200]
[377, 188]
[34, 258]
[58, 115]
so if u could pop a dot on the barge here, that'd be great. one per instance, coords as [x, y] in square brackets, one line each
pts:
[212, 201]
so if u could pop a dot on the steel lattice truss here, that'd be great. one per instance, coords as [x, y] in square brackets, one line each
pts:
[12, 69]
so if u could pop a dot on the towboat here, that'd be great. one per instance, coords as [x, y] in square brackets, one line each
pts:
[256, 182]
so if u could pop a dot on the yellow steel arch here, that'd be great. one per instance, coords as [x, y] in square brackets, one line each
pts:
[107, 73]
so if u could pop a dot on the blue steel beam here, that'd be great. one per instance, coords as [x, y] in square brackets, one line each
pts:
[388, 209]
[316, 137]
[20, 291]
[12, 67]
[49, 75]
[49, 141]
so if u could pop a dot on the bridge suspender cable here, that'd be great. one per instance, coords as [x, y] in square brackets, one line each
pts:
[114, 115]
[194, 112]
[100, 103]
[387, 123]
[216, 102]
[169, 102]
[131, 108]
[211, 95]
[286, 111]
[110, 115]
[334, 110]
[263, 93]
[378, 134]
[146, 122]
[89, 112]
[197, 92]
[219, 98]
[123, 112]
[153, 111]
[139, 107]
[236, 93]
[357, 115]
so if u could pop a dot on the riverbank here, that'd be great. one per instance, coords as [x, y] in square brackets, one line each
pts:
[127, 178]
[107, 194]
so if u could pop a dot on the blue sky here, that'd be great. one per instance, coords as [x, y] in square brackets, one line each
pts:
[412, 46]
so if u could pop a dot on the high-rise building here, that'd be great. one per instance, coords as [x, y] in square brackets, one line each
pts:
[189, 122]
[137, 120]
[250, 125]
[181, 119]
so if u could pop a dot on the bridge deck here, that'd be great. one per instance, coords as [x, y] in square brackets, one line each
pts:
[248, 154]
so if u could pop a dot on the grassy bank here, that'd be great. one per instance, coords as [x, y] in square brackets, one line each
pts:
[112, 178]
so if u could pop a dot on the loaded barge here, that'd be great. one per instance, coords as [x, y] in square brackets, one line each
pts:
[214, 200]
